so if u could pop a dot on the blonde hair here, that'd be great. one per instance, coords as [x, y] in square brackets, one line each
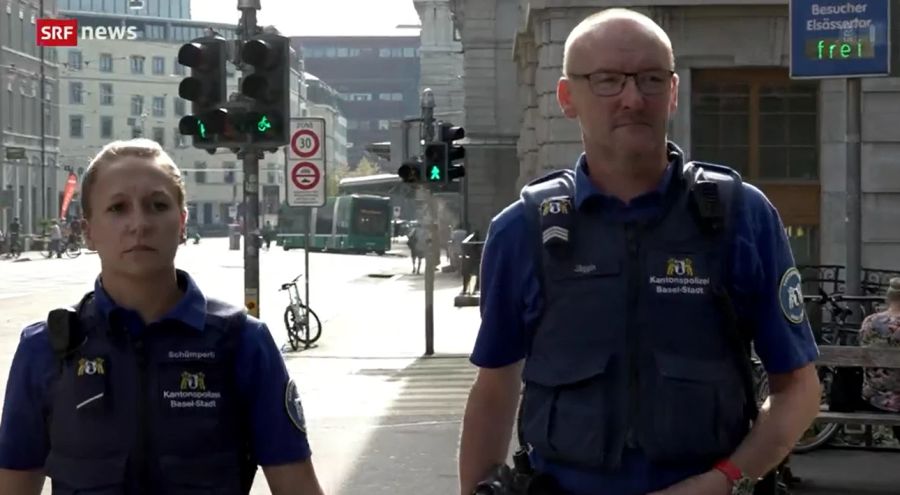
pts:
[132, 148]
[593, 20]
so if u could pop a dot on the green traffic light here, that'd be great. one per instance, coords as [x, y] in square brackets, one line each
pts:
[434, 173]
[201, 128]
[263, 124]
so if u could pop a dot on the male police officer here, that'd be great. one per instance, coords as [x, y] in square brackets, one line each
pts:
[616, 280]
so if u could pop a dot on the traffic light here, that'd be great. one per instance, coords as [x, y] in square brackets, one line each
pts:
[436, 163]
[205, 89]
[447, 135]
[410, 172]
[269, 87]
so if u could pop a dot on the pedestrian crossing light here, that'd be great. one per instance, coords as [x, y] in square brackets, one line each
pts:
[436, 162]
[204, 88]
[410, 172]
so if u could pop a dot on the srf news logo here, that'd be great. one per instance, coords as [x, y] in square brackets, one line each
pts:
[65, 32]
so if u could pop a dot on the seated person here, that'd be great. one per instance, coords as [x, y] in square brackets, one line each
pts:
[881, 386]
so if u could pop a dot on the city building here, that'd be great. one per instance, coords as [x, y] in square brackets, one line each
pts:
[377, 77]
[30, 174]
[441, 59]
[169, 9]
[119, 89]
[325, 102]
[737, 106]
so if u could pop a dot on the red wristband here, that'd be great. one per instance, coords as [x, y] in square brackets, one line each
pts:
[732, 472]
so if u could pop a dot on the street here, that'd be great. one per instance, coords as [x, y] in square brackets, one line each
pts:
[382, 419]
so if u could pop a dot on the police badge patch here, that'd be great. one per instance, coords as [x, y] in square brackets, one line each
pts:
[293, 407]
[790, 296]
[556, 220]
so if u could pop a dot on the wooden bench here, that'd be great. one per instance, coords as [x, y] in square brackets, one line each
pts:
[867, 357]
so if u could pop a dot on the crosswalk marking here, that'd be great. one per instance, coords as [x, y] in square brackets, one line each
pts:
[422, 388]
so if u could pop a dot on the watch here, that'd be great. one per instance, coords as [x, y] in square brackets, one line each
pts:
[740, 483]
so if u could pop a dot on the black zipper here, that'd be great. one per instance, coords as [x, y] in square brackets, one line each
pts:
[632, 337]
[143, 430]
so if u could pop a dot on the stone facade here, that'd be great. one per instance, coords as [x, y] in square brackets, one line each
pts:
[731, 34]
[441, 60]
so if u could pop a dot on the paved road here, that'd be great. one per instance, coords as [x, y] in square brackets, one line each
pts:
[382, 418]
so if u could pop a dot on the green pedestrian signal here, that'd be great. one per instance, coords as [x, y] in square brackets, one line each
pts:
[434, 174]
[201, 129]
[263, 125]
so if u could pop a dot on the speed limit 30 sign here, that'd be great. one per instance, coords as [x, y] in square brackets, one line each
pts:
[305, 163]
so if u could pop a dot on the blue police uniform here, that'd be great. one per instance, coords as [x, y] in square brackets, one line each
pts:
[628, 383]
[193, 400]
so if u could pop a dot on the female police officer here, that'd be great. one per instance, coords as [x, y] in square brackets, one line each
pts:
[154, 388]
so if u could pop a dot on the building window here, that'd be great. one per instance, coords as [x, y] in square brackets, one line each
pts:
[342, 53]
[76, 126]
[229, 174]
[270, 177]
[354, 52]
[106, 127]
[137, 105]
[159, 106]
[76, 92]
[763, 125]
[159, 66]
[330, 52]
[397, 52]
[360, 97]
[106, 62]
[106, 94]
[384, 125]
[180, 107]
[409, 52]
[384, 96]
[456, 35]
[384, 53]
[74, 60]
[159, 135]
[200, 174]
[137, 64]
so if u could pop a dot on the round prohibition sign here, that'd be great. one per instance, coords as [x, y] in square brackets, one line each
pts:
[305, 143]
[305, 176]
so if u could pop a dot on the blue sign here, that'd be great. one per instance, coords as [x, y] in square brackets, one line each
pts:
[840, 38]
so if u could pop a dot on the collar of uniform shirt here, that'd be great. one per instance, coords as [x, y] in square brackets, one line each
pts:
[190, 310]
[645, 204]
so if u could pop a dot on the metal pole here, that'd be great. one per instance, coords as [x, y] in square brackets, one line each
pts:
[853, 220]
[306, 270]
[428, 136]
[250, 158]
[43, 132]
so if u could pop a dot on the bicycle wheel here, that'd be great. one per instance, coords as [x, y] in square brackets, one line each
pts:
[47, 252]
[290, 325]
[312, 329]
[73, 250]
[819, 434]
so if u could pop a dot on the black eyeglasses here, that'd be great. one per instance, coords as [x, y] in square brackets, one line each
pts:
[610, 83]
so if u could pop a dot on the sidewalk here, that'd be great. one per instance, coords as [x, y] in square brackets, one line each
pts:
[390, 322]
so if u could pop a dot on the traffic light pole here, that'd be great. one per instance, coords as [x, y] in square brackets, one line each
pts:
[430, 214]
[250, 160]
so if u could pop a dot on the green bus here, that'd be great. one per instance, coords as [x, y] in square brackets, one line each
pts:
[353, 223]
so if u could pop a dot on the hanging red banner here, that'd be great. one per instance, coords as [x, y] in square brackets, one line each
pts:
[71, 182]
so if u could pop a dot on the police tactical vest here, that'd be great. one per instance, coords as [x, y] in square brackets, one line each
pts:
[155, 415]
[635, 346]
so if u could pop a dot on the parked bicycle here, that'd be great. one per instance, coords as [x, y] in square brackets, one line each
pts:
[835, 331]
[301, 322]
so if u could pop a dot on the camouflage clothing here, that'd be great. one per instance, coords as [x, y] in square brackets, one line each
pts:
[881, 386]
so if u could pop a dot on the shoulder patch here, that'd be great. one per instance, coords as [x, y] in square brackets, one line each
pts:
[790, 296]
[293, 407]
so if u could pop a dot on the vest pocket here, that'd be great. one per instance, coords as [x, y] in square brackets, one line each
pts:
[565, 411]
[682, 415]
[80, 476]
[217, 474]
